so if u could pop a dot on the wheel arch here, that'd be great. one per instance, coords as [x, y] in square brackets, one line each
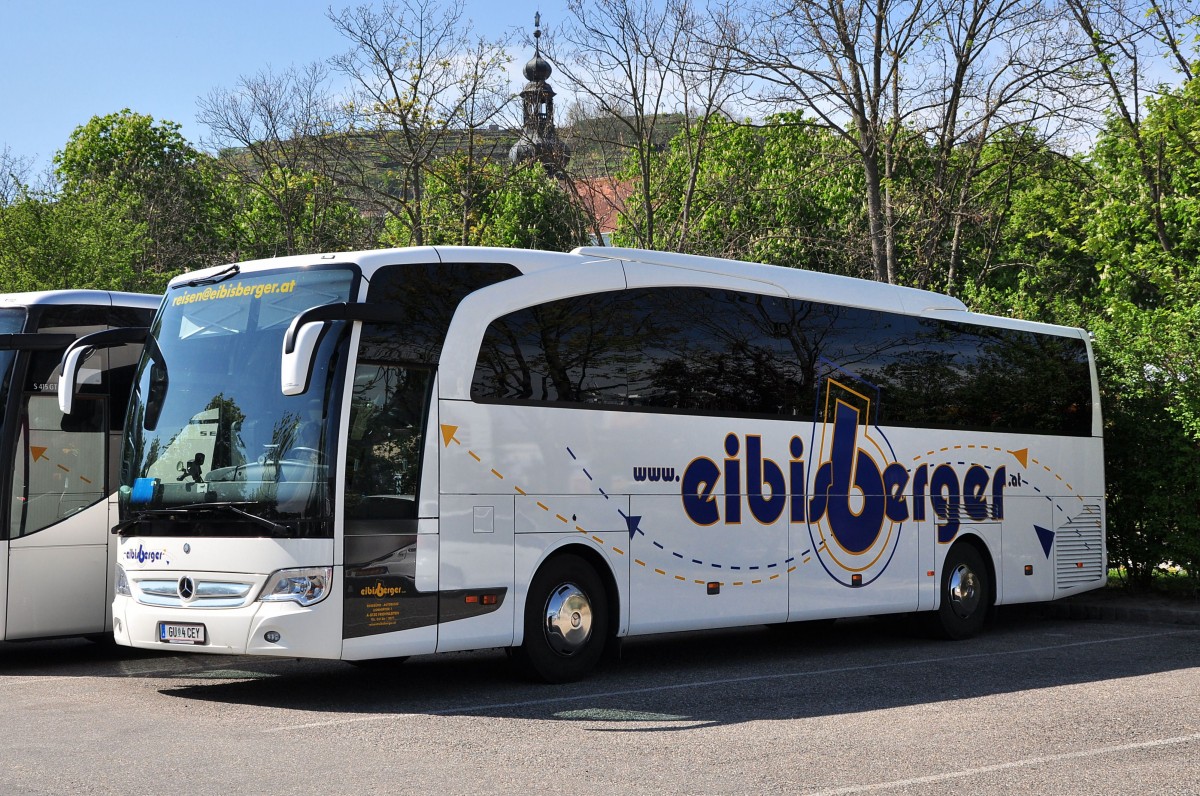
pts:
[603, 569]
[980, 546]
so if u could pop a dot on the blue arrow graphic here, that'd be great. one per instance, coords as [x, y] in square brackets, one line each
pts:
[1046, 538]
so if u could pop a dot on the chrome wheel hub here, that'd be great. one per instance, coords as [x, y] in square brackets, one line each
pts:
[568, 619]
[963, 591]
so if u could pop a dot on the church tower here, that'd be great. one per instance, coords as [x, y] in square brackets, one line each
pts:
[539, 140]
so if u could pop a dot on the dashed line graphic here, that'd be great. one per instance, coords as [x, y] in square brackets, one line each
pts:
[789, 565]
[1022, 456]
[449, 436]
[39, 454]
[1045, 536]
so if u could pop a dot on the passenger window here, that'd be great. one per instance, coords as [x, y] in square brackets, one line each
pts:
[575, 350]
[706, 350]
[425, 297]
[59, 465]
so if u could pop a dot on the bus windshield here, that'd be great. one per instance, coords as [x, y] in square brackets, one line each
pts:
[213, 446]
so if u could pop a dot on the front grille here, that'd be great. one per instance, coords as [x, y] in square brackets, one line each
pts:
[207, 594]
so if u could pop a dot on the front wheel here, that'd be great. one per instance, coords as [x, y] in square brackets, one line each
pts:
[966, 594]
[566, 622]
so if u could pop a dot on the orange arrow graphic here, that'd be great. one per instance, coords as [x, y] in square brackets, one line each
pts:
[1022, 456]
[39, 453]
[448, 435]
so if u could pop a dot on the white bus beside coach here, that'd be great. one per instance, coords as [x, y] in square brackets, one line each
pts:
[58, 472]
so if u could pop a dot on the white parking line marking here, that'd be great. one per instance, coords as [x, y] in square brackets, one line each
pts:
[720, 682]
[1026, 763]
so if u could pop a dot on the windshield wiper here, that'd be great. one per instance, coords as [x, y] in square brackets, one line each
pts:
[137, 517]
[201, 508]
[263, 521]
[220, 276]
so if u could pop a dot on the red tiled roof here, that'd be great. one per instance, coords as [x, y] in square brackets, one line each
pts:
[604, 198]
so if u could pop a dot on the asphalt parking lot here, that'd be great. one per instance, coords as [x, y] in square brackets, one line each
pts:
[1039, 704]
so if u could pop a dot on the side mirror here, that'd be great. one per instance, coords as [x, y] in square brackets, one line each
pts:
[305, 333]
[156, 394]
[73, 358]
[296, 365]
[81, 349]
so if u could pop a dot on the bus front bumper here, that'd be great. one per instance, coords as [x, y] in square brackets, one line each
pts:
[261, 628]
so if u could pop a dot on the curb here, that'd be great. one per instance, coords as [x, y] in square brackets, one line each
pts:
[1120, 610]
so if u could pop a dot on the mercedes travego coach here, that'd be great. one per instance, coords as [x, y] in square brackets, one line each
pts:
[385, 453]
[58, 472]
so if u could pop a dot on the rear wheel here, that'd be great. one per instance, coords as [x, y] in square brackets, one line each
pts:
[966, 594]
[566, 622]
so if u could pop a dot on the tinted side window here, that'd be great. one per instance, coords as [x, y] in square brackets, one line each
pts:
[129, 316]
[676, 349]
[928, 373]
[855, 347]
[55, 317]
[58, 466]
[122, 361]
[1020, 381]
[426, 296]
[575, 350]
[42, 371]
[702, 351]
[717, 351]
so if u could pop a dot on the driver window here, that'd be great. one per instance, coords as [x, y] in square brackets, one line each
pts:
[387, 425]
[58, 469]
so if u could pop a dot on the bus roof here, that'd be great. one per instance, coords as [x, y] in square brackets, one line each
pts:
[808, 285]
[795, 282]
[526, 260]
[104, 298]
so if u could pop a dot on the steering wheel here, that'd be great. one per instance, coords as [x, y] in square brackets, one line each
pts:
[314, 454]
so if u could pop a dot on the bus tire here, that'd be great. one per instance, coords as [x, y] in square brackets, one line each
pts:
[566, 622]
[966, 594]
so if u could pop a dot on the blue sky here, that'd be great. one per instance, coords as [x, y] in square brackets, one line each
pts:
[64, 61]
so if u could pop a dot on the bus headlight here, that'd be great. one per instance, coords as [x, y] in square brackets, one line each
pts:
[307, 586]
[121, 583]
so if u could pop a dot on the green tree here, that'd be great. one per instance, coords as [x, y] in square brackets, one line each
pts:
[1025, 253]
[639, 68]
[782, 192]
[1152, 456]
[1151, 294]
[532, 210]
[163, 187]
[278, 160]
[421, 84]
[490, 204]
[315, 216]
[58, 242]
[1096, 243]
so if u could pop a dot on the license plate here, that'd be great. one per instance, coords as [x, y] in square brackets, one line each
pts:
[180, 633]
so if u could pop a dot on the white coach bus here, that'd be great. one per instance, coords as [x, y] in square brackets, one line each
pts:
[385, 453]
[59, 473]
